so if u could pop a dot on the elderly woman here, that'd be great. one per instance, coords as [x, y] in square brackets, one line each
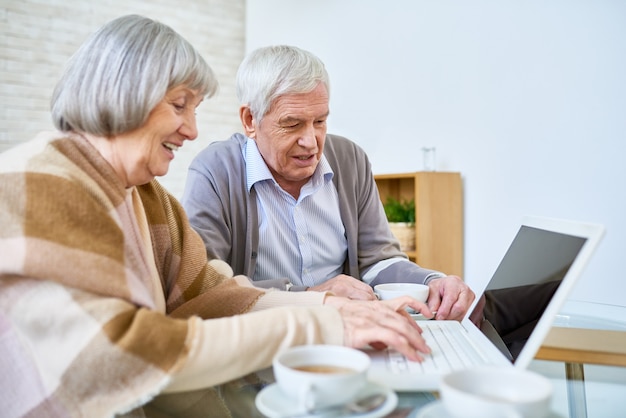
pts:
[107, 298]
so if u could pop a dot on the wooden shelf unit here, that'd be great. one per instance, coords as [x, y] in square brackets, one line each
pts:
[438, 215]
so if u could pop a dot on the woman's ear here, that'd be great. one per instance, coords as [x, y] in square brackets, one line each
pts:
[248, 121]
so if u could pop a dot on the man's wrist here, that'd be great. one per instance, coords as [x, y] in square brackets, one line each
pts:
[290, 287]
[433, 276]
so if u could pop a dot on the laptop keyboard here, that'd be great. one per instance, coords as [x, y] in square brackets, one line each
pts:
[450, 350]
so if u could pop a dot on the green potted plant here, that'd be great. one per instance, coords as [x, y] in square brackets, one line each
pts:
[400, 211]
[401, 217]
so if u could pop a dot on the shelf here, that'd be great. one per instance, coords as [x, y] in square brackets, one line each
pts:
[438, 215]
[589, 346]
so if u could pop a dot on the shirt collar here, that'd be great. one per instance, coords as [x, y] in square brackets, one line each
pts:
[257, 170]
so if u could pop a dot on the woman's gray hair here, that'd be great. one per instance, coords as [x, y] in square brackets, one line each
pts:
[270, 72]
[118, 76]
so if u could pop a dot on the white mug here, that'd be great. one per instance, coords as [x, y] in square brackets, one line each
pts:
[496, 392]
[321, 375]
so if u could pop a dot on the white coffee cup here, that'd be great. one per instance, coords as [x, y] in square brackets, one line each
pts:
[393, 290]
[321, 375]
[490, 392]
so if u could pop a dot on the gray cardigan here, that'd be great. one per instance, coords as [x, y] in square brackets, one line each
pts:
[225, 215]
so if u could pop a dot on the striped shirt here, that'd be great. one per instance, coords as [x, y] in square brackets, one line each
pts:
[313, 248]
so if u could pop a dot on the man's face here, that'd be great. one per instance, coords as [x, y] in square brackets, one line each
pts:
[291, 137]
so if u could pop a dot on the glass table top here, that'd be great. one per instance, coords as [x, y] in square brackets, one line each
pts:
[604, 385]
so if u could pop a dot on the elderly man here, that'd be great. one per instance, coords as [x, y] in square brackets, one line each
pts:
[286, 199]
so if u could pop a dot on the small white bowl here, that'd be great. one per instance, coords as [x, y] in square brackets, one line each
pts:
[393, 290]
[487, 392]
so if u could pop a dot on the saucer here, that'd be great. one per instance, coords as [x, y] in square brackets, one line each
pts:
[273, 403]
[437, 410]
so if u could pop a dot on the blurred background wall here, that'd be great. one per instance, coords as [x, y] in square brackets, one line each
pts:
[37, 37]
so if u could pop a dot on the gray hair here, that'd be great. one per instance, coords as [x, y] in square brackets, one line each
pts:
[270, 72]
[115, 79]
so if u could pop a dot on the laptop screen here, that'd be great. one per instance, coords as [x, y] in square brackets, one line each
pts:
[523, 285]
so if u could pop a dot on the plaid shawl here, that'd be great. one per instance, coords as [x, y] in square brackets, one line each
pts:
[80, 329]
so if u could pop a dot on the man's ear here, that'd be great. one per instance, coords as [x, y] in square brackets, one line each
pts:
[248, 121]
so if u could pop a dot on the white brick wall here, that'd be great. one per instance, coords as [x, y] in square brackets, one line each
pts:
[37, 37]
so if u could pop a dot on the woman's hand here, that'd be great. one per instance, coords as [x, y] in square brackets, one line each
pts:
[346, 286]
[382, 324]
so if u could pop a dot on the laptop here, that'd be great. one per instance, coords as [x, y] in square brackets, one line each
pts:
[538, 271]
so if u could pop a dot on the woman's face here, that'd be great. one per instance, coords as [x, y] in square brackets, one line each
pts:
[144, 153]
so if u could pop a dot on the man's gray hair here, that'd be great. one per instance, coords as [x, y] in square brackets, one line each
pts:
[118, 76]
[270, 72]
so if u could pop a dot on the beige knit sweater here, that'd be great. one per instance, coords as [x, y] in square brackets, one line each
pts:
[102, 291]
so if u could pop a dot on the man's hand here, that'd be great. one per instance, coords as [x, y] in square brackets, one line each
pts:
[347, 287]
[450, 297]
[382, 324]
